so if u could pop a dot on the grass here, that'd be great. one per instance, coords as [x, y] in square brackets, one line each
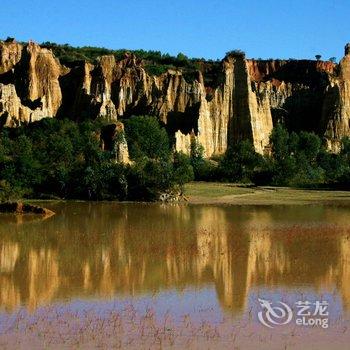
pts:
[214, 189]
[224, 193]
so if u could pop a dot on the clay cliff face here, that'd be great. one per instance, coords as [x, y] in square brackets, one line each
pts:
[29, 85]
[249, 100]
[336, 114]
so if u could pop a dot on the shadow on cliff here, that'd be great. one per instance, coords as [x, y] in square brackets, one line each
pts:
[12, 77]
[184, 121]
[142, 107]
[301, 111]
[313, 101]
[304, 72]
[76, 104]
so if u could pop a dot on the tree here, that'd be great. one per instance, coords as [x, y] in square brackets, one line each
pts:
[279, 143]
[182, 57]
[235, 53]
[183, 170]
[283, 161]
[239, 162]
[9, 192]
[4, 148]
[309, 144]
[148, 178]
[345, 148]
[146, 138]
[333, 166]
[203, 168]
[318, 57]
[344, 179]
[295, 158]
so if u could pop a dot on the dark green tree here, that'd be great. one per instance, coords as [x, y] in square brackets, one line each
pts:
[284, 163]
[183, 170]
[204, 169]
[240, 162]
[146, 138]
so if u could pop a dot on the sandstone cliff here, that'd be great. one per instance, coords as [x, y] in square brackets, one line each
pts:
[251, 97]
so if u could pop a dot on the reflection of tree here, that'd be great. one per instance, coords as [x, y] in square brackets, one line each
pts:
[105, 249]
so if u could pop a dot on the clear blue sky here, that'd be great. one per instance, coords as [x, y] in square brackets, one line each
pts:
[203, 28]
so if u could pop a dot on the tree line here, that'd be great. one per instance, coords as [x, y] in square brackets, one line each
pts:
[293, 159]
[56, 158]
[62, 159]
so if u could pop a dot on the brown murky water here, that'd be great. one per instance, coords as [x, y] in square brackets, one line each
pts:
[171, 270]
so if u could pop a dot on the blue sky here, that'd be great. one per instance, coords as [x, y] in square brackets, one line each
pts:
[265, 28]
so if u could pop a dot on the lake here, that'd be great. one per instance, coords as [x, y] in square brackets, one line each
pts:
[126, 275]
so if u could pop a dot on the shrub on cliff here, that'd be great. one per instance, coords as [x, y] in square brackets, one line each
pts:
[235, 53]
[156, 69]
[155, 62]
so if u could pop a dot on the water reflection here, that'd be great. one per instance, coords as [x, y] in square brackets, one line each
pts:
[104, 249]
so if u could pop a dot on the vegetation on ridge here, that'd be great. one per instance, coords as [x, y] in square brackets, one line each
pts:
[155, 62]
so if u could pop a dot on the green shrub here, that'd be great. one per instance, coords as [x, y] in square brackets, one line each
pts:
[146, 138]
[148, 178]
[154, 69]
[204, 169]
[183, 170]
[239, 162]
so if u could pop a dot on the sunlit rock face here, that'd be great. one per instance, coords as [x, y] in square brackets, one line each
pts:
[10, 55]
[113, 139]
[250, 97]
[29, 83]
[337, 110]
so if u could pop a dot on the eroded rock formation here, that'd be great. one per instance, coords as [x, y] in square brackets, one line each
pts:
[251, 97]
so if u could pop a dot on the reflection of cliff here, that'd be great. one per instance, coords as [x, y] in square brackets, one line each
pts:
[8, 256]
[107, 249]
[43, 276]
[9, 253]
[344, 270]
[236, 99]
[340, 276]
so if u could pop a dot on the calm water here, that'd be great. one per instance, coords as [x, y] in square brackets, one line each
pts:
[207, 262]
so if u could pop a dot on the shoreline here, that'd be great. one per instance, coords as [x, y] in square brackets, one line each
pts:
[216, 193]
